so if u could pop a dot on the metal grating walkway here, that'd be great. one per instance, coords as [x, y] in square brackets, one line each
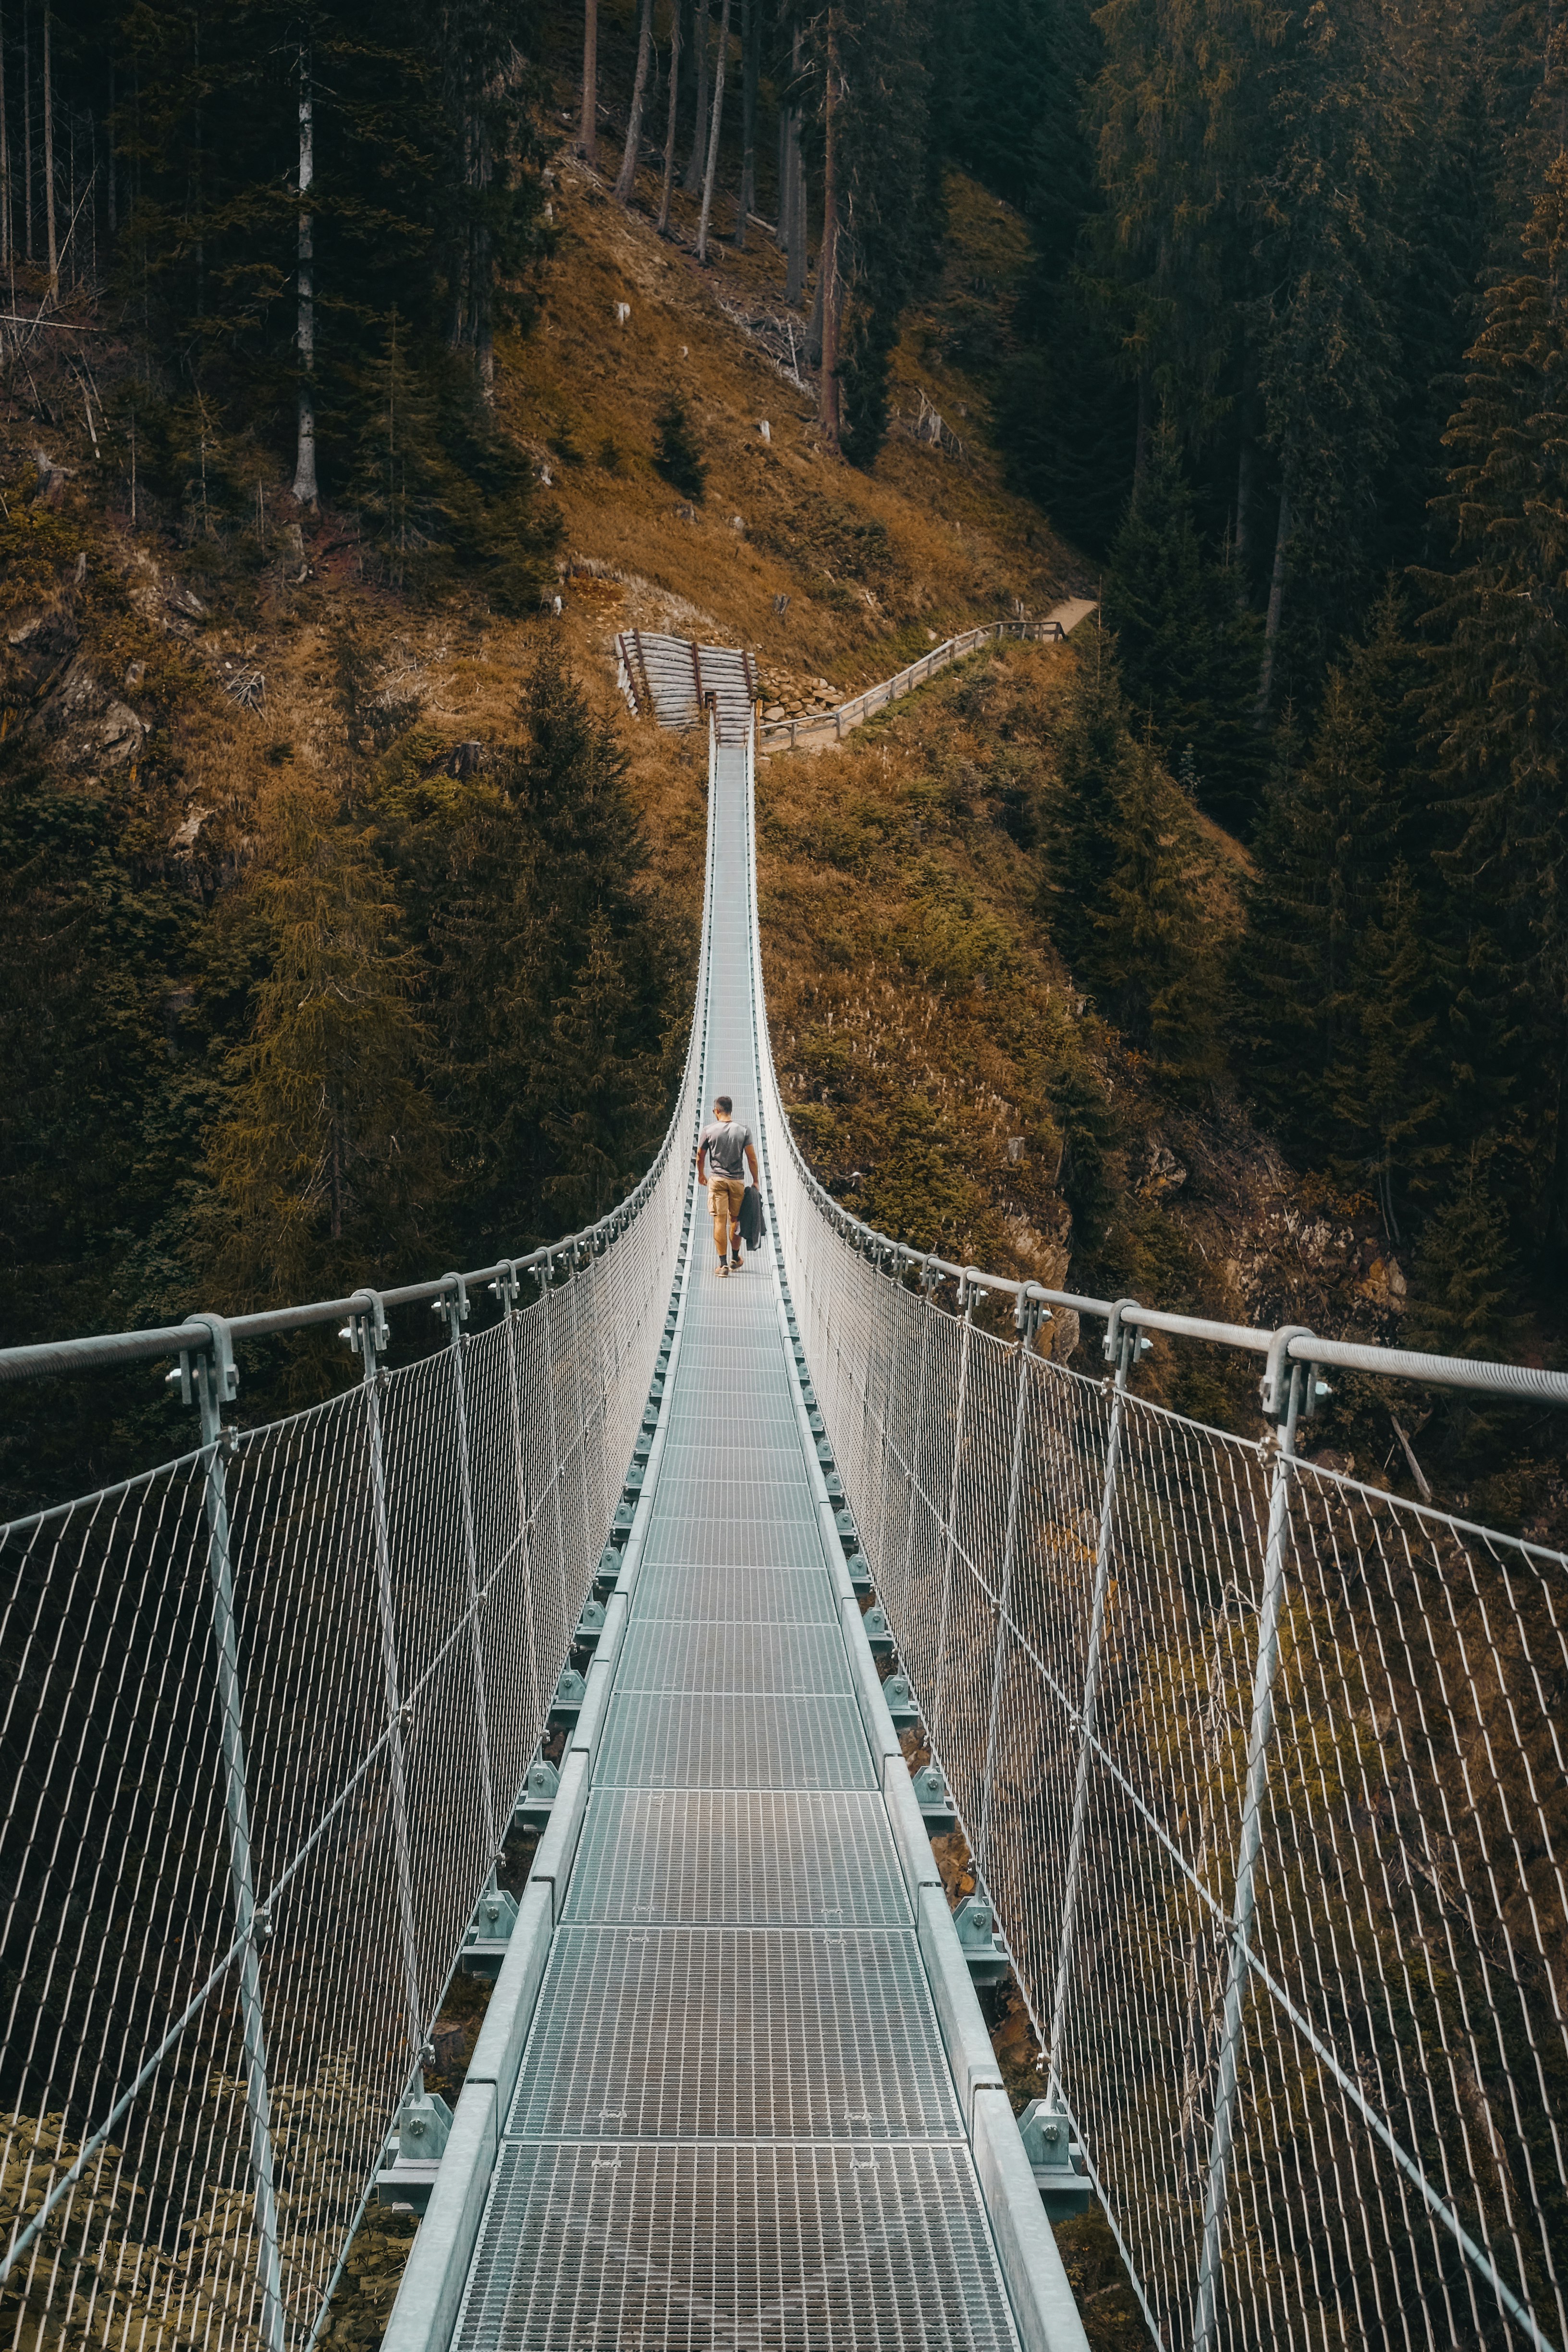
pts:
[736, 2117]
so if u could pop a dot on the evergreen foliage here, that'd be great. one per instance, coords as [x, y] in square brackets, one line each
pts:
[1188, 650]
[1128, 884]
[678, 455]
[1497, 716]
[891, 207]
[329, 1138]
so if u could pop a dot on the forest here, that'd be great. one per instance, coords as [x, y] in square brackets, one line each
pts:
[1284, 374]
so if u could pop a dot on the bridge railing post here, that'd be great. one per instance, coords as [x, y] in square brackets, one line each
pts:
[972, 1294]
[1030, 1314]
[212, 1379]
[508, 1291]
[1283, 1393]
[1122, 1345]
[454, 1304]
[367, 1333]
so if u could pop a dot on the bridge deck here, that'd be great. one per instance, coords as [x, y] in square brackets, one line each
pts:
[735, 2120]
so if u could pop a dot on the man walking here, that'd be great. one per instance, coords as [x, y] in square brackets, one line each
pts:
[725, 1150]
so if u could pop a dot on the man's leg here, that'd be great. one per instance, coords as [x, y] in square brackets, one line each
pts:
[719, 1206]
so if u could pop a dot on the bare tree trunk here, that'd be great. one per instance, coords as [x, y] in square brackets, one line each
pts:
[713, 128]
[813, 324]
[699, 137]
[1276, 606]
[794, 249]
[671, 121]
[7, 257]
[827, 259]
[49, 164]
[626, 181]
[27, 139]
[305, 453]
[751, 42]
[588, 131]
[109, 157]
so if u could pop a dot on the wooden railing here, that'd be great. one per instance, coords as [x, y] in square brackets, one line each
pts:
[785, 734]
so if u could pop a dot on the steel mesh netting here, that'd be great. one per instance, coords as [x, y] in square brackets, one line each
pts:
[230, 1919]
[1367, 2147]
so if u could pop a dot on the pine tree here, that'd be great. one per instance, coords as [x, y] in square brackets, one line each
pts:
[1463, 1275]
[1497, 713]
[1386, 1093]
[329, 1144]
[677, 454]
[1327, 840]
[1153, 962]
[890, 197]
[1188, 651]
[1093, 749]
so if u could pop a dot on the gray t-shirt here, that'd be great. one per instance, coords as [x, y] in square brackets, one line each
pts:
[725, 1143]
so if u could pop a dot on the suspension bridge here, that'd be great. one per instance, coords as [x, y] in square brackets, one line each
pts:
[731, 1594]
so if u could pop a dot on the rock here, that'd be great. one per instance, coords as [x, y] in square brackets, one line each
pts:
[135, 673]
[89, 727]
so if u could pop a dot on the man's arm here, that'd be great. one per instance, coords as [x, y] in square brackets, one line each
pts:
[702, 1158]
[751, 1156]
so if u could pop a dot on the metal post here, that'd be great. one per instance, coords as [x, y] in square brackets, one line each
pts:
[454, 1305]
[367, 1336]
[211, 1375]
[508, 1291]
[928, 1282]
[969, 1295]
[546, 1275]
[1206, 2309]
[1122, 1344]
[1030, 1313]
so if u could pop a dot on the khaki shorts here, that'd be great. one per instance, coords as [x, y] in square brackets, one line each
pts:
[725, 1194]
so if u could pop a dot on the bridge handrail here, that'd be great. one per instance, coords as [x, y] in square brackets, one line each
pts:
[39, 1359]
[860, 707]
[1292, 1342]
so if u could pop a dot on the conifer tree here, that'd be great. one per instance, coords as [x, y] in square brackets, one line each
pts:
[1387, 1096]
[676, 453]
[1325, 845]
[1187, 650]
[329, 1142]
[1093, 753]
[1153, 961]
[1497, 713]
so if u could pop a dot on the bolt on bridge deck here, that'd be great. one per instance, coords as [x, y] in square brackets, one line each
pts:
[734, 2088]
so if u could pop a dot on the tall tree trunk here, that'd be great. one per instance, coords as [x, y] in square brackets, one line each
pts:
[672, 123]
[1246, 471]
[111, 159]
[698, 136]
[26, 139]
[305, 448]
[794, 251]
[588, 131]
[7, 257]
[54, 252]
[1276, 606]
[827, 258]
[1145, 425]
[627, 179]
[751, 42]
[710, 175]
[481, 303]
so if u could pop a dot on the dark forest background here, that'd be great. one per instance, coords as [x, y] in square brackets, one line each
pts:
[1289, 368]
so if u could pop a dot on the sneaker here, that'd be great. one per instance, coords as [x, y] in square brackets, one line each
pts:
[723, 1269]
[736, 1263]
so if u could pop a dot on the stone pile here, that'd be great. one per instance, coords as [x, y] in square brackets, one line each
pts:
[785, 695]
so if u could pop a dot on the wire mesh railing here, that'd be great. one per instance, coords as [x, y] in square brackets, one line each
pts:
[270, 1708]
[1263, 1770]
